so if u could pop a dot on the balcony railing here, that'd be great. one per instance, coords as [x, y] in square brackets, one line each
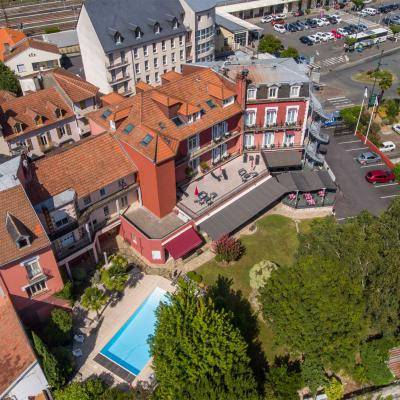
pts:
[119, 64]
[274, 146]
[36, 277]
[115, 80]
[315, 132]
[313, 155]
[275, 126]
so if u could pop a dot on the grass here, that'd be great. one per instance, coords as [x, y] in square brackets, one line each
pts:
[276, 240]
[364, 77]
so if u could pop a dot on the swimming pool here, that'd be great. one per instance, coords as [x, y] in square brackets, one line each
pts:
[128, 347]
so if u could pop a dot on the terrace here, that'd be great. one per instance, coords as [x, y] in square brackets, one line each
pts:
[221, 183]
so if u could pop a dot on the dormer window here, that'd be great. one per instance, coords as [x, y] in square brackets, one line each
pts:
[251, 93]
[58, 113]
[138, 33]
[118, 39]
[18, 127]
[227, 102]
[175, 24]
[273, 92]
[22, 242]
[294, 91]
[38, 120]
[157, 28]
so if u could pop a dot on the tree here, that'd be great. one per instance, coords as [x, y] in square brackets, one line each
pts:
[94, 299]
[335, 390]
[198, 354]
[260, 273]
[350, 115]
[313, 374]
[114, 278]
[91, 389]
[395, 29]
[270, 44]
[8, 80]
[358, 4]
[49, 363]
[62, 319]
[316, 308]
[227, 249]
[385, 84]
[396, 171]
[290, 52]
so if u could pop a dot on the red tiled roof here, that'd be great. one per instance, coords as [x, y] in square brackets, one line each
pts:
[143, 86]
[29, 43]
[394, 361]
[15, 203]
[24, 109]
[5, 95]
[9, 37]
[148, 116]
[85, 167]
[16, 354]
[112, 98]
[171, 76]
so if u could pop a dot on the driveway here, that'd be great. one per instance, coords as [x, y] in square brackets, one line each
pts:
[355, 193]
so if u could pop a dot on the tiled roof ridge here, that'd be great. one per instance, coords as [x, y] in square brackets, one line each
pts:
[72, 80]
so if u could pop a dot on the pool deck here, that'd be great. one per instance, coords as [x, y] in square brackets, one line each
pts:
[113, 317]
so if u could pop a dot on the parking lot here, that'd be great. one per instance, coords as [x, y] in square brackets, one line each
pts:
[327, 55]
[355, 193]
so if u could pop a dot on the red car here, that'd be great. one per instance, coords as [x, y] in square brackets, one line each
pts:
[278, 22]
[336, 34]
[380, 176]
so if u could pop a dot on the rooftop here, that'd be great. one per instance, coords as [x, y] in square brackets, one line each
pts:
[16, 354]
[150, 225]
[234, 24]
[29, 43]
[8, 173]
[14, 203]
[201, 5]
[11, 37]
[63, 38]
[123, 17]
[86, 166]
[112, 98]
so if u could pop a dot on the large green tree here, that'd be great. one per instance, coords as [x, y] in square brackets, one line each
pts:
[198, 353]
[316, 308]
[8, 80]
[270, 44]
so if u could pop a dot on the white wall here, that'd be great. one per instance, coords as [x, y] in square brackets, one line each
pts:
[31, 383]
[92, 53]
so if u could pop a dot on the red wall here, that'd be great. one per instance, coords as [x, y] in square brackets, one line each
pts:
[157, 182]
[15, 277]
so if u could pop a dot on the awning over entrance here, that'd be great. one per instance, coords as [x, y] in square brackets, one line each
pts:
[277, 160]
[184, 243]
[242, 210]
[306, 181]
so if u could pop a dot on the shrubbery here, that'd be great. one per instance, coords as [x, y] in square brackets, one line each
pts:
[260, 273]
[227, 249]
[195, 277]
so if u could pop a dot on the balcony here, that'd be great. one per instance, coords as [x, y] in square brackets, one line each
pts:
[274, 146]
[115, 80]
[115, 65]
[276, 126]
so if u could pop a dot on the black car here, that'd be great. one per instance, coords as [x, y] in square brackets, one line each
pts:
[310, 23]
[299, 25]
[306, 40]
[332, 20]
[291, 27]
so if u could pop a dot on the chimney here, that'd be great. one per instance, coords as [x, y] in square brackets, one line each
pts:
[241, 87]
[26, 167]
[7, 47]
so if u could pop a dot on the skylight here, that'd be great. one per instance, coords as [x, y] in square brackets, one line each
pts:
[177, 121]
[146, 140]
[211, 104]
[128, 129]
[106, 114]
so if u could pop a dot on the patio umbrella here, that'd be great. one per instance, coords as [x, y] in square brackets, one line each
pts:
[196, 191]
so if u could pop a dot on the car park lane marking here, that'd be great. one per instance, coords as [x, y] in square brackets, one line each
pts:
[350, 141]
[358, 148]
[371, 165]
[388, 197]
[386, 184]
[336, 98]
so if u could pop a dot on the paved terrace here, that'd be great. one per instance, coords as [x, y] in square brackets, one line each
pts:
[214, 181]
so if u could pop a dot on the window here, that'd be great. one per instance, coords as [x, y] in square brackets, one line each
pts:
[121, 182]
[43, 140]
[175, 24]
[118, 38]
[173, 57]
[87, 200]
[137, 68]
[154, 47]
[33, 268]
[172, 43]
[155, 61]
[21, 67]
[102, 192]
[219, 129]
[82, 104]
[269, 139]
[273, 92]
[270, 116]
[181, 40]
[163, 45]
[156, 255]
[135, 53]
[147, 78]
[35, 66]
[206, 33]
[122, 56]
[145, 51]
[194, 163]
[181, 56]
[228, 101]
[164, 60]
[36, 288]
[138, 33]
[146, 65]
[288, 139]
[291, 115]
[60, 218]
[193, 143]
[250, 117]
[294, 91]
[251, 93]
[106, 211]
[124, 201]
[157, 28]
[157, 77]
[60, 132]
[18, 127]
[248, 140]
[204, 47]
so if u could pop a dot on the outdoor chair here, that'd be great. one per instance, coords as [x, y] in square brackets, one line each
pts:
[253, 174]
[77, 353]
[202, 194]
[224, 174]
[79, 338]
[213, 195]
[215, 176]
[242, 172]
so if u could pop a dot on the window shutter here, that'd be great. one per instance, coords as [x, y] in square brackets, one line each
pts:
[49, 137]
[59, 133]
[68, 129]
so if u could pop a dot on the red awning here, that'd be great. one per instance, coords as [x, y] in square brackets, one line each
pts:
[183, 243]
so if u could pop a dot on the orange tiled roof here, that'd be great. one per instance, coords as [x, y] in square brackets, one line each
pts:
[143, 86]
[171, 76]
[112, 98]
[147, 113]
[29, 43]
[76, 88]
[24, 109]
[85, 167]
[10, 37]
[16, 354]
[5, 95]
[15, 202]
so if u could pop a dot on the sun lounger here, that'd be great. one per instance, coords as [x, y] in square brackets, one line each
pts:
[242, 172]
[79, 338]
[77, 353]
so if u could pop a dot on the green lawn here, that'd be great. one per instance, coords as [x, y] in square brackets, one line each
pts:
[276, 240]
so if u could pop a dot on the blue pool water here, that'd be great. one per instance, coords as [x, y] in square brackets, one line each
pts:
[128, 347]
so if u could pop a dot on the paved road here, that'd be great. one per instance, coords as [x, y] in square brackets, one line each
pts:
[356, 194]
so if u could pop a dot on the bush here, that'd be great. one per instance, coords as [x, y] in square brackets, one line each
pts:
[335, 390]
[51, 29]
[290, 52]
[62, 319]
[396, 171]
[260, 273]
[195, 277]
[65, 360]
[67, 292]
[270, 44]
[227, 249]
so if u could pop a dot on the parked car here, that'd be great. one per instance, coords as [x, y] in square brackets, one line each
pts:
[278, 22]
[292, 27]
[325, 21]
[332, 20]
[368, 157]
[267, 18]
[332, 119]
[298, 13]
[396, 128]
[306, 40]
[380, 176]
[314, 38]
[280, 16]
[318, 22]
[336, 34]
[301, 60]
[362, 27]
[337, 17]
[371, 11]
[300, 25]
[310, 23]
[330, 35]
[280, 28]
[342, 31]
[323, 36]
[387, 147]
